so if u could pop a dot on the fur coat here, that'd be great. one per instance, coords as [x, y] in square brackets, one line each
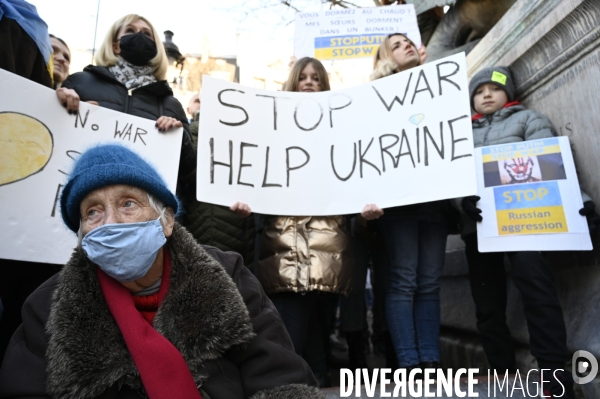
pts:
[215, 313]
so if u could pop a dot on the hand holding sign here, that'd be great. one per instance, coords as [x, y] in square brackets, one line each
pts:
[165, 123]
[371, 212]
[593, 219]
[469, 205]
[241, 209]
[68, 99]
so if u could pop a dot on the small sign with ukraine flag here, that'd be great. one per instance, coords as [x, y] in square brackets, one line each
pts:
[534, 208]
[530, 197]
[349, 46]
[352, 32]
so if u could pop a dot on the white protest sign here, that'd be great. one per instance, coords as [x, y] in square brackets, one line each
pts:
[530, 198]
[399, 140]
[39, 142]
[352, 32]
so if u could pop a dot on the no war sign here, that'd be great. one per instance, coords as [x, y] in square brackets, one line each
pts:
[400, 140]
[39, 144]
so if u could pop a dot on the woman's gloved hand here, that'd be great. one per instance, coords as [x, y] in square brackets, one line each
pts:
[593, 219]
[470, 208]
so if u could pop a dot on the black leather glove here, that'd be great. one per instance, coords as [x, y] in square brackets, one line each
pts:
[593, 219]
[468, 205]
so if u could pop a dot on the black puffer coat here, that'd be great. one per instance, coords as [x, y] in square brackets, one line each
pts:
[216, 225]
[150, 102]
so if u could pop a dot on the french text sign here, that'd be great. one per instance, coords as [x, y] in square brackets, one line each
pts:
[399, 140]
[530, 198]
[352, 32]
[39, 142]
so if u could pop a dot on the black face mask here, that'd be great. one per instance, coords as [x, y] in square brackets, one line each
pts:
[137, 49]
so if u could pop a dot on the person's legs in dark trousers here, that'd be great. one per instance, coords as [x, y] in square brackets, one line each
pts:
[300, 315]
[547, 332]
[488, 287]
[314, 351]
[432, 253]
[381, 265]
[318, 352]
[353, 310]
[20, 55]
[402, 241]
[296, 310]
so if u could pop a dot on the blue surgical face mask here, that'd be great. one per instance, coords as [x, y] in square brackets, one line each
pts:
[125, 251]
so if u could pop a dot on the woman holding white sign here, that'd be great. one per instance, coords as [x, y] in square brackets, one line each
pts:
[415, 237]
[305, 262]
[129, 77]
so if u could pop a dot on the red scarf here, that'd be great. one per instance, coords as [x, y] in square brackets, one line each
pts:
[510, 104]
[162, 368]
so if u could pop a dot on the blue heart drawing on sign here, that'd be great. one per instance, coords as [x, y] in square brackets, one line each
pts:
[416, 119]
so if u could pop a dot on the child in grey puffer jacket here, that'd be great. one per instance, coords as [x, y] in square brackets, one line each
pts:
[500, 120]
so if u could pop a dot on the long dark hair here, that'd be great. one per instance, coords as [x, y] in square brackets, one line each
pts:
[294, 78]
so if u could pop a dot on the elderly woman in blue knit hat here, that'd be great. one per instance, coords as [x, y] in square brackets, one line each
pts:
[141, 309]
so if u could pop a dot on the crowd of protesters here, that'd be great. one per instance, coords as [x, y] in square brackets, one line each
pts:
[253, 313]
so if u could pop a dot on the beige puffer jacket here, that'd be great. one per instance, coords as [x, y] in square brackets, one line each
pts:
[304, 253]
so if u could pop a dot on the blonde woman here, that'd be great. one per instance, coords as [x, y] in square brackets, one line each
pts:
[305, 262]
[415, 238]
[129, 76]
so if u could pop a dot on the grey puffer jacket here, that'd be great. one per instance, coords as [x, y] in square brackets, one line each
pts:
[511, 124]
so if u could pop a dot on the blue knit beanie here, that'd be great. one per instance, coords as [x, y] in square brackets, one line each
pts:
[106, 165]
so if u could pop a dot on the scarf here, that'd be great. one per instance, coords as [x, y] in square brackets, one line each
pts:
[132, 76]
[163, 370]
[507, 105]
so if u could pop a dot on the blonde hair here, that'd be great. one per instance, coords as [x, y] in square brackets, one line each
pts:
[384, 52]
[294, 78]
[106, 56]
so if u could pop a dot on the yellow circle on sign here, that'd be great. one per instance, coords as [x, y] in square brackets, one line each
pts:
[25, 146]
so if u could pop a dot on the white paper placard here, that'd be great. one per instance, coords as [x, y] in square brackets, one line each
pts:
[399, 140]
[530, 198]
[352, 32]
[33, 229]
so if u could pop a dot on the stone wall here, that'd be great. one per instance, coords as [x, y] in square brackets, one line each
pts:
[553, 49]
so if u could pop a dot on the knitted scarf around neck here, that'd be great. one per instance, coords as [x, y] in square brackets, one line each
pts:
[163, 370]
[132, 76]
